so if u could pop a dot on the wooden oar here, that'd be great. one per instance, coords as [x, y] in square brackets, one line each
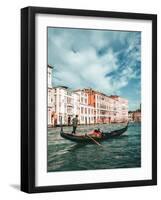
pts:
[94, 140]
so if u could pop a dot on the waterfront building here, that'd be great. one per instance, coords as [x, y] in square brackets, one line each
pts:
[86, 111]
[120, 108]
[66, 104]
[98, 101]
[135, 116]
[103, 108]
[51, 105]
[107, 109]
[90, 105]
[76, 105]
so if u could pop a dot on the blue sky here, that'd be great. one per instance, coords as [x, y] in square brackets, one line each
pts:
[107, 61]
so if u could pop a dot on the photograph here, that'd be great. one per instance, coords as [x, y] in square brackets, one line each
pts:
[93, 99]
[89, 99]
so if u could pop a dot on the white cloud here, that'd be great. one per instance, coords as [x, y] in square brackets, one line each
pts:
[77, 63]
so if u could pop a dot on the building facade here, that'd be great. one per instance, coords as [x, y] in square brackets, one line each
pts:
[86, 111]
[66, 105]
[51, 104]
[135, 116]
[91, 106]
[107, 109]
[120, 108]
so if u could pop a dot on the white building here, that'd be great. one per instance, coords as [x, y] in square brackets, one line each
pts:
[86, 111]
[51, 104]
[91, 106]
[76, 108]
[120, 108]
[66, 105]
[69, 103]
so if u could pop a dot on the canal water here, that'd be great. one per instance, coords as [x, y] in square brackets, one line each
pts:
[121, 152]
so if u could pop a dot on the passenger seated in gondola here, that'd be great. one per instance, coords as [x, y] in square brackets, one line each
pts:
[96, 133]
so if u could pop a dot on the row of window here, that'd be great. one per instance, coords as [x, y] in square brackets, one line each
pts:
[85, 119]
[83, 100]
[107, 99]
[85, 110]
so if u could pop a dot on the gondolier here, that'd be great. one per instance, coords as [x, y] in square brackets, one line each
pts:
[75, 123]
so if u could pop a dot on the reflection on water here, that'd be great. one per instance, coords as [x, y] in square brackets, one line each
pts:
[121, 152]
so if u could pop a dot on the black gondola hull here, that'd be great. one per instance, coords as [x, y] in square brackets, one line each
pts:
[87, 139]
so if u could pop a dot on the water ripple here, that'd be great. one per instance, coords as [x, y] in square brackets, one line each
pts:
[121, 152]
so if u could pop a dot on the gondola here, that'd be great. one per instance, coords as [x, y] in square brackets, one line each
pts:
[88, 139]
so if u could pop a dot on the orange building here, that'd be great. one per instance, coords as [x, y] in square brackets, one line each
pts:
[107, 109]
[86, 114]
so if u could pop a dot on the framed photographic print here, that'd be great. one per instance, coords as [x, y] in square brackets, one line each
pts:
[88, 99]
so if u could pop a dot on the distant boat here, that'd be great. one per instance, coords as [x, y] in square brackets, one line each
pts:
[86, 138]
